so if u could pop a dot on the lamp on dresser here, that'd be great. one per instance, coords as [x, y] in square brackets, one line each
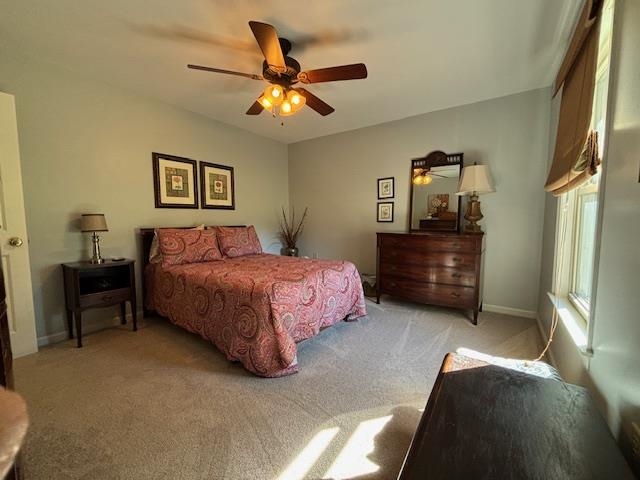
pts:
[475, 180]
[94, 223]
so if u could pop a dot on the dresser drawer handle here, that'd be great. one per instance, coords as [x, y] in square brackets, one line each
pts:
[107, 298]
[456, 275]
[393, 284]
[455, 245]
[454, 294]
[456, 259]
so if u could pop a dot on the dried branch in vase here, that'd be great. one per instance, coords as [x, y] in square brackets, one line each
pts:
[290, 231]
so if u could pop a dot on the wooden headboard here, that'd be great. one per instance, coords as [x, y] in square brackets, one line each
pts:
[146, 236]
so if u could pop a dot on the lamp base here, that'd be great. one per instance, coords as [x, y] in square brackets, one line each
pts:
[472, 228]
[96, 258]
[473, 215]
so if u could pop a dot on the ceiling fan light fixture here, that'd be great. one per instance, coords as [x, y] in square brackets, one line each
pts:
[265, 102]
[421, 177]
[296, 99]
[286, 109]
[275, 94]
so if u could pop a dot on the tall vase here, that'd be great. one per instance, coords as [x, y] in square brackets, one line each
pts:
[289, 251]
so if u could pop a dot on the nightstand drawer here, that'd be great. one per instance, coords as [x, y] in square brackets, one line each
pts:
[105, 298]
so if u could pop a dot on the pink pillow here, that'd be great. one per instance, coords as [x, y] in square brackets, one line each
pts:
[180, 246]
[154, 253]
[238, 241]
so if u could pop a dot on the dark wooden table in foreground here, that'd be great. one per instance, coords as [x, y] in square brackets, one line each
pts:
[489, 422]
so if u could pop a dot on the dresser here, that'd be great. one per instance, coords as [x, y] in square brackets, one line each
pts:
[433, 268]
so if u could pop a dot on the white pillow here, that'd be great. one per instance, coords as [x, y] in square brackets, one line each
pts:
[154, 253]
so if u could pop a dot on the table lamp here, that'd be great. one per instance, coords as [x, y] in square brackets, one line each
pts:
[94, 222]
[475, 180]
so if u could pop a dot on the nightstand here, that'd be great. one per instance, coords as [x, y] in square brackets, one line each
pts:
[88, 285]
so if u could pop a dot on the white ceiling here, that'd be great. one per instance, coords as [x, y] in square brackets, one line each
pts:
[422, 55]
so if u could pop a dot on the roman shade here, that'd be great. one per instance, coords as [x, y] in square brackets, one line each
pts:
[576, 77]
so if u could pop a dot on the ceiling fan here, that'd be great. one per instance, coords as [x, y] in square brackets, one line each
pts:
[424, 176]
[283, 72]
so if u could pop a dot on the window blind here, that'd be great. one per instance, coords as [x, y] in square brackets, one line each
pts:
[576, 77]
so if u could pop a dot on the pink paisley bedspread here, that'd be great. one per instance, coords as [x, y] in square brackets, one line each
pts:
[256, 308]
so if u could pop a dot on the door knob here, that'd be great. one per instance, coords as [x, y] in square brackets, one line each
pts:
[15, 242]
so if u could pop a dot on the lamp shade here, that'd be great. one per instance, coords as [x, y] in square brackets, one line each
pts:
[475, 178]
[93, 222]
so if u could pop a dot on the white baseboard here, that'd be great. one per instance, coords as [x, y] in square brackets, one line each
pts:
[53, 338]
[92, 326]
[516, 312]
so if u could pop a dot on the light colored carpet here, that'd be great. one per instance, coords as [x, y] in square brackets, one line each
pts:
[163, 403]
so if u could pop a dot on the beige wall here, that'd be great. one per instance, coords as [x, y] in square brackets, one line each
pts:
[86, 147]
[612, 373]
[335, 177]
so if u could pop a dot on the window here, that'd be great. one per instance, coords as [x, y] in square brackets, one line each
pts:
[578, 209]
[586, 219]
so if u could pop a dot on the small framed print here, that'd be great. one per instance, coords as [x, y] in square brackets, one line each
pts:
[216, 186]
[174, 181]
[385, 188]
[385, 211]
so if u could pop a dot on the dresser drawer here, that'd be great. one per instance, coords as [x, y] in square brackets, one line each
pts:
[105, 298]
[437, 294]
[428, 259]
[420, 273]
[447, 243]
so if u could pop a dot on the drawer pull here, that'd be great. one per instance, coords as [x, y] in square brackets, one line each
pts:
[107, 298]
[455, 245]
[456, 275]
[456, 259]
[454, 294]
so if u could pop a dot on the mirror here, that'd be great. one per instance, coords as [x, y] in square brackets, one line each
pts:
[434, 183]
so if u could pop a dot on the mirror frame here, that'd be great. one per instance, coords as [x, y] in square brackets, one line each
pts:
[436, 158]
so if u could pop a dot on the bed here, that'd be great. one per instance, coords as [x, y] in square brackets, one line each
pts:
[254, 307]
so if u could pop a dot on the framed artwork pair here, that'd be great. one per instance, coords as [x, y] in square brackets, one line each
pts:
[175, 183]
[386, 189]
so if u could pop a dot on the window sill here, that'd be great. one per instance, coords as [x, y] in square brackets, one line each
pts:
[573, 322]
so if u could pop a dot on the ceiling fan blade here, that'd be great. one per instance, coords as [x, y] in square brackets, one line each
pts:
[228, 72]
[332, 74]
[255, 109]
[315, 103]
[267, 39]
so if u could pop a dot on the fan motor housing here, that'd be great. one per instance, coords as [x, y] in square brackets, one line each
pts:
[290, 75]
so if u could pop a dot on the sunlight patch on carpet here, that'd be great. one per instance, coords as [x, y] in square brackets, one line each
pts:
[352, 460]
[309, 456]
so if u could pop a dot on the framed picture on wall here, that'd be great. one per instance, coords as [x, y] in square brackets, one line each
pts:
[385, 211]
[385, 188]
[174, 181]
[216, 186]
